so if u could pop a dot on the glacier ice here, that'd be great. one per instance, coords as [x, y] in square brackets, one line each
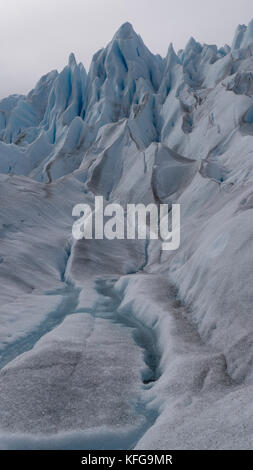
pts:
[116, 343]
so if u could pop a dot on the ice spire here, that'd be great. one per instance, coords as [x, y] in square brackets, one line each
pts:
[72, 59]
[243, 36]
[126, 31]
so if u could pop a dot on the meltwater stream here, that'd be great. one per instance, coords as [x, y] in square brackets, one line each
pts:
[144, 339]
[68, 304]
[143, 336]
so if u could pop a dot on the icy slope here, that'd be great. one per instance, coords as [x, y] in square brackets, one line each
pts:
[154, 348]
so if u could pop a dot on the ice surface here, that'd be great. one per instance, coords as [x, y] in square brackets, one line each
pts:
[116, 344]
[79, 368]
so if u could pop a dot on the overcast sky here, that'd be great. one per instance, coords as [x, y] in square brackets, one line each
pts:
[38, 35]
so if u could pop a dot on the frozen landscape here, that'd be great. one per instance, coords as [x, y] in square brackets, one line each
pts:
[118, 344]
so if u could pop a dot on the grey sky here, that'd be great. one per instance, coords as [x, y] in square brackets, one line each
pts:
[37, 35]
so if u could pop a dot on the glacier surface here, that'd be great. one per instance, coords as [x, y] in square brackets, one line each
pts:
[116, 344]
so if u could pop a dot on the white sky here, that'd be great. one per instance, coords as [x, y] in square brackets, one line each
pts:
[38, 35]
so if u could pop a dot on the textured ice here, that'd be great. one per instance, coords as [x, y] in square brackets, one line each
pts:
[71, 374]
[116, 344]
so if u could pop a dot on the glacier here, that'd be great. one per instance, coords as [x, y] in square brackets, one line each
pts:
[115, 344]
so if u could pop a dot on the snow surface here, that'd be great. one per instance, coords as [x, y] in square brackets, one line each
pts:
[116, 344]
